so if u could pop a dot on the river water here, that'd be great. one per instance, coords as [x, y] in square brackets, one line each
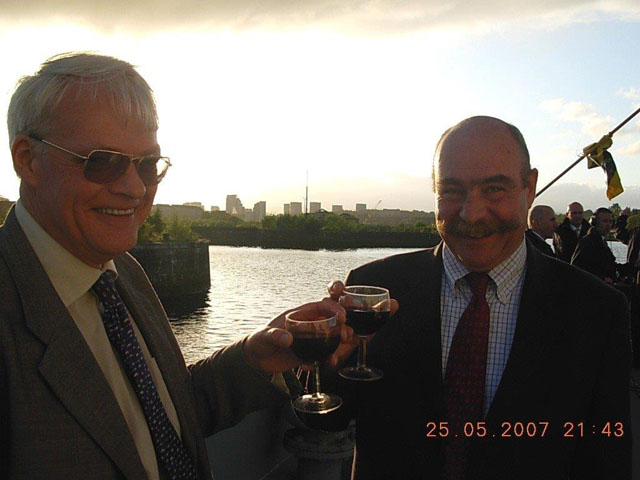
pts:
[250, 286]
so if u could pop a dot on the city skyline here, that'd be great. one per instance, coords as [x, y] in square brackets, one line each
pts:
[251, 97]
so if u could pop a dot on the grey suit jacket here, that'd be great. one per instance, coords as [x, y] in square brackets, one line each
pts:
[58, 417]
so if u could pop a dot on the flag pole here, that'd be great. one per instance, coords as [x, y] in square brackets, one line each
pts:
[620, 125]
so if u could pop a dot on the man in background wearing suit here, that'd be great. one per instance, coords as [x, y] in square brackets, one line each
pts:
[489, 372]
[569, 232]
[92, 381]
[542, 224]
[593, 254]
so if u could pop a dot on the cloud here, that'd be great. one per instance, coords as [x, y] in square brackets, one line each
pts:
[632, 149]
[631, 92]
[591, 122]
[364, 16]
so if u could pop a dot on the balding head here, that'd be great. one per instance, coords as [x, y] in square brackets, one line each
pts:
[491, 122]
[575, 213]
[542, 220]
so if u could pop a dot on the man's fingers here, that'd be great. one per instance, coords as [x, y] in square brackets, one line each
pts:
[279, 337]
[394, 306]
[335, 289]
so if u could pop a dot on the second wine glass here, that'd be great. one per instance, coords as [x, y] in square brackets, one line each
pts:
[368, 308]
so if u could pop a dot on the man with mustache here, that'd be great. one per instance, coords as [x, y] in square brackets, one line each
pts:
[489, 373]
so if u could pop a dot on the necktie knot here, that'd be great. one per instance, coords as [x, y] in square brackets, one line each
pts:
[478, 283]
[105, 287]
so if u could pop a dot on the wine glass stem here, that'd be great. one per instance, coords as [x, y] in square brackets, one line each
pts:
[316, 376]
[362, 353]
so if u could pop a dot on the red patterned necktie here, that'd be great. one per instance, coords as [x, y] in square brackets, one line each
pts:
[465, 376]
[169, 448]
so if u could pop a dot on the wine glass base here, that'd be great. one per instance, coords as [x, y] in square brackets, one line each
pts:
[321, 403]
[363, 374]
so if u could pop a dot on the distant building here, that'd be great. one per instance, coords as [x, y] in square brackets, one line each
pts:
[295, 208]
[192, 212]
[361, 207]
[337, 209]
[314, 207]
[215, 208]
[287, 209]
[234, 206]
[194, 204]
[259, 211]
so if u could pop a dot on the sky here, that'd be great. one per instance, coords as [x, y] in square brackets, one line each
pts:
[254, 96]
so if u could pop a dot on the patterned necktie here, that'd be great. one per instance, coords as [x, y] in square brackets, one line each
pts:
[168, 446]
[465, 376]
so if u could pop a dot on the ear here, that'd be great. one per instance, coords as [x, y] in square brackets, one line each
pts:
[23, 159]
[532, 181]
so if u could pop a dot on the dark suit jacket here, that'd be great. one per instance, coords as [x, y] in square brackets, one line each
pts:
[594, 255]
[58, 416]
[565, 239]
[569, 362]
[538, 242]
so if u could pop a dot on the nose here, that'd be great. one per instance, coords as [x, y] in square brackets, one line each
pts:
[129, 184]
[472, 208]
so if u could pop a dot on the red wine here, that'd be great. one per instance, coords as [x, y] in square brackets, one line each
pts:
[366, 323]
[310, 347]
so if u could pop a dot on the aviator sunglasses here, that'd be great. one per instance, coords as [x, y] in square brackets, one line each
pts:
[105, 166]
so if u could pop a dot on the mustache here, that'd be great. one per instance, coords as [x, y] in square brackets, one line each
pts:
[480, 229]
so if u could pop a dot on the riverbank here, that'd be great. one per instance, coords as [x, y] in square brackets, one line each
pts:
[313, 240]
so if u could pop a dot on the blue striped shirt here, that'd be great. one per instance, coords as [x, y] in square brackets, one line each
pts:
[503, 296]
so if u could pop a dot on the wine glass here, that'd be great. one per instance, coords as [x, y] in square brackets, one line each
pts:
[368, 308]
[315, 338]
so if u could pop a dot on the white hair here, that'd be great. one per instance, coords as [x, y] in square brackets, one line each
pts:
[36, 97]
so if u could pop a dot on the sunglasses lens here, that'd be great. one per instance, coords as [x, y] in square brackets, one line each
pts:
[105, 167]
[152, 169]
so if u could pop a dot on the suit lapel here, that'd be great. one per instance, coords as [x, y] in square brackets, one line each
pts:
[536, 328]
[68, 365]
[420, 307]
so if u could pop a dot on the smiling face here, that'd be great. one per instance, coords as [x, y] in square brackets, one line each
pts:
[93, 222]
[481, 202]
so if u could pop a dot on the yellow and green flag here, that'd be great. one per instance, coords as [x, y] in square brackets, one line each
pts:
[598, 156]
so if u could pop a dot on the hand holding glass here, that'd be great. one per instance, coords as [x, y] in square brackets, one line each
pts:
[314, 340]
[368, 308]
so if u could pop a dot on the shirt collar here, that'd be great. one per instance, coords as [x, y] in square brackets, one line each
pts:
[70, 276]
[505, 275]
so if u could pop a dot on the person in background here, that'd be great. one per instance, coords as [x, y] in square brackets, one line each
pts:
[593, 254]
[569, 232]
[485, 343]
[92, 381]
[631, 238]
[542, 224]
